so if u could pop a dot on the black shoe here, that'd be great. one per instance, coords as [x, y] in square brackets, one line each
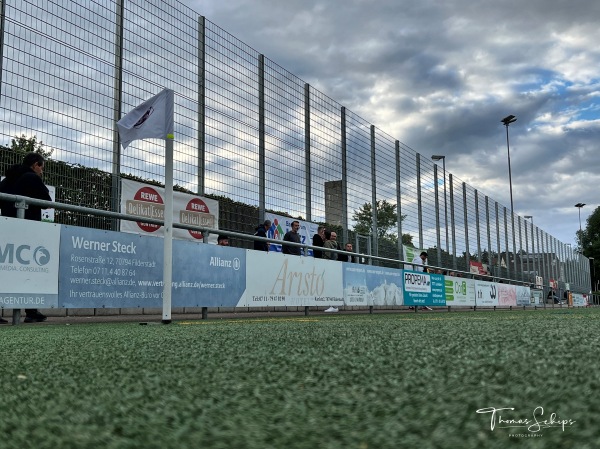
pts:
[35, 318]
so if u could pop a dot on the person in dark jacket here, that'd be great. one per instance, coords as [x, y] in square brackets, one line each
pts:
[261, 231]
[26, 180]
[319, 240]
[292, 236]
[346, 257]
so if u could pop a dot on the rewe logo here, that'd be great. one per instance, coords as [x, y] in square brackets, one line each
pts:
[23, 255]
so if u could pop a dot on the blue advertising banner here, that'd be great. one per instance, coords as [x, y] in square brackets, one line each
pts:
[356, 292]
[207, 275]
[423, 289]
[107, 269]
[385, 286]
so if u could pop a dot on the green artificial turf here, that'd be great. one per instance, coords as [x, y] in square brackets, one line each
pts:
[354, 381]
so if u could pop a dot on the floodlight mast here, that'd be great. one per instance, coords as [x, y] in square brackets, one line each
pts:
[507, 121]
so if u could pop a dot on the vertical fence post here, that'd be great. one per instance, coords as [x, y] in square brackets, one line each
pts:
[437, 215]
[452, 220]
[498, 247]
[488, 230]
[307, 168]
[399, 202]
[466, 218]
[261, 138]
[478, 226]
[344, 175]
[201, 105]
[2, 24]
[117, 110]
[514, 244]
[508, 272]
[419, 203]
[374, 194]
[520, 249]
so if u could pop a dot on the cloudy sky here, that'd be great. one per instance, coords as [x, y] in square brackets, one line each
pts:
[439, 77]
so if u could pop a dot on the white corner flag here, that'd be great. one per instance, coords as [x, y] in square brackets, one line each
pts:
[152, 119]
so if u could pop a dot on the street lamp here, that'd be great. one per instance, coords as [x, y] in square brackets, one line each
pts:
[443, 159]
[507, 121]
[580, 205]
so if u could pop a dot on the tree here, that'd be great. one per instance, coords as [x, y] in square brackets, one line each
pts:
[387, 221]
[588, 240]
[23, 144]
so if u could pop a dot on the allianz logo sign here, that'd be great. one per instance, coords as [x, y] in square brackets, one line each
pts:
[24, 255]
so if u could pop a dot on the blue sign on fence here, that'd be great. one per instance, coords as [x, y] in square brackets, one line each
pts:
[107, 269]
[207, 275]
[423, 289]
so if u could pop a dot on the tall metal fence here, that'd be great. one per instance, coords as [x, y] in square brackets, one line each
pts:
[247, 131]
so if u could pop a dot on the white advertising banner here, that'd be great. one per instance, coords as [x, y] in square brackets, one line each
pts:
[537, 298]
[280, 225]
[524, 297]
[459, 291]
[579, 300]
[29, 255]
[507, 294]
[486, 294]
[146, 201]
[276, 279]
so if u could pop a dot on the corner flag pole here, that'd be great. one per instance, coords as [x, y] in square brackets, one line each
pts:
[168, 240]
[155, 118]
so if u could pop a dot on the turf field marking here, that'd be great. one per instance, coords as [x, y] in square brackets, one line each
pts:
[253, 320]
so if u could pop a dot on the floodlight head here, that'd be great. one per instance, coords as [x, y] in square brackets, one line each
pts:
[508, 120]
[580, 205]
[437, 157]
[528, 216]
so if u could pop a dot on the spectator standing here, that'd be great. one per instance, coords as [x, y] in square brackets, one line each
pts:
[261, 231]
[318, 240]
[346, 257]
[26, 180]
[330, 243]
[419, 261]
[292, 236]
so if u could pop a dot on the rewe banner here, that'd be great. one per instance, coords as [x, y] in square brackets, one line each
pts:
[147, 201]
